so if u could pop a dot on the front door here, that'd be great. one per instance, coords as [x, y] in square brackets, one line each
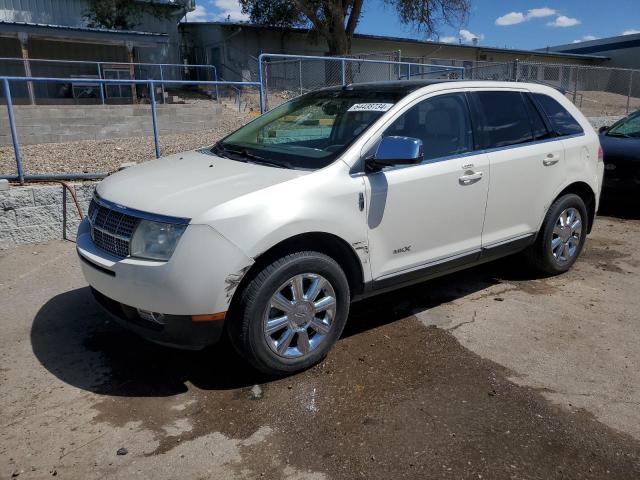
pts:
[430, 214]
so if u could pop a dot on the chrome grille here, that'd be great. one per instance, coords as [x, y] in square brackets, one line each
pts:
[111, 230]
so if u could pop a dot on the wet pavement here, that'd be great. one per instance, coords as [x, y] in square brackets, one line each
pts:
[397, 398]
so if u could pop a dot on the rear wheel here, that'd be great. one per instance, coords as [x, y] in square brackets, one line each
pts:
[291, 313]
[561, 237]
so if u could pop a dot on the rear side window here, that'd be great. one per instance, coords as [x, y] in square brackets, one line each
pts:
[504, 118]
[561, 120]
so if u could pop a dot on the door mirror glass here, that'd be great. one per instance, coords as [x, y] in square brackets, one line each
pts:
[395, 150]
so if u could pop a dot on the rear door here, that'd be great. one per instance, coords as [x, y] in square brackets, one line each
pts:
[525, 160]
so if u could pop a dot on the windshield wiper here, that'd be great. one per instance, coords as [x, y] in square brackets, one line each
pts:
[616, 134]
[243, 152]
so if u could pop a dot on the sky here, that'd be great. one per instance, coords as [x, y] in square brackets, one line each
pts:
[525, 24]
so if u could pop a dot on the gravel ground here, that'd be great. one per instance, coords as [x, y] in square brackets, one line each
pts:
[108, 155]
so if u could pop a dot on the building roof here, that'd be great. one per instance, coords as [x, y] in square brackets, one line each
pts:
[64, 32]
[411, 40]
[600, 45]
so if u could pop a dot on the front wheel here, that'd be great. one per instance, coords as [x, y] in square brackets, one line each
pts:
[291, 313]
[561, 237]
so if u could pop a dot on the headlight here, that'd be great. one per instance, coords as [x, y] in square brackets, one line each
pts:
[155, 240]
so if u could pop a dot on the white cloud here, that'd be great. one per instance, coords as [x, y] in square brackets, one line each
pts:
[511, 18]
[449, 39]
[631, 31]
[229, 9]
[200, 14]
[468, 36]
[564, 21]
[586, 38]
[540, 12]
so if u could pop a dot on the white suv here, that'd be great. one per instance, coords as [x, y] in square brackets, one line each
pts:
[336, 195]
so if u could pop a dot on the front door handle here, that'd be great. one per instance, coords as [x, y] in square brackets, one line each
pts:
[550, 159]
[469, 178]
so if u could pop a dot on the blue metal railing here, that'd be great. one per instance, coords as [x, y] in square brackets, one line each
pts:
[263, 59]
[99, 68]
[21, 177]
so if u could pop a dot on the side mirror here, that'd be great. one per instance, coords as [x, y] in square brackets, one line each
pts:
[603, 129]
[396, 151]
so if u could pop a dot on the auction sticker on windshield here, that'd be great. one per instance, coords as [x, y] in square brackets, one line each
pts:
[370, 107]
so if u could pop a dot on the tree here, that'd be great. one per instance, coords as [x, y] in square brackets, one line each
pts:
[125, 14]
[336, 20]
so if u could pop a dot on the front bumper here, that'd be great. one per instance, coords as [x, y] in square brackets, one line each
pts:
[199, 279]
[175, 330]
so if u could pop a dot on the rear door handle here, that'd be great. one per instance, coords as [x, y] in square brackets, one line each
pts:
[469, 178]
[551, 159]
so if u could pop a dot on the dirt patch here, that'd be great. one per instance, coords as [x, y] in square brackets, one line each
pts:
[394, 400]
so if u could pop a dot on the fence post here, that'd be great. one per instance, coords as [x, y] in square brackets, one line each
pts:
[344, 72]
[262, 92]
[162, 85]
[154, 117]
[215, 78]
[575, 85]
[631, 72]
[101, 84]
[300, 73]
[12, 126]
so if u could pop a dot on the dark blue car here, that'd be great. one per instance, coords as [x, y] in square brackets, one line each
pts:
[621, 146]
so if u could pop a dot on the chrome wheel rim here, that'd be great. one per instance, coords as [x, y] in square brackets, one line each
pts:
[566, 236]
[299, 316]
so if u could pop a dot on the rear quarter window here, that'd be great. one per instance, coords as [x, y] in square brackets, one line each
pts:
[561, 120]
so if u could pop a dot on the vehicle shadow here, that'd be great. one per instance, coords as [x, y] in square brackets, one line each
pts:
[78, 343]
[620, 204]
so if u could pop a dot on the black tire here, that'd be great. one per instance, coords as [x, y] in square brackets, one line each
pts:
[247, 329]
[540, 255]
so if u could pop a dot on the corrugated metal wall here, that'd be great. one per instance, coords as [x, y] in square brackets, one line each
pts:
[71, 13]
[53, 12]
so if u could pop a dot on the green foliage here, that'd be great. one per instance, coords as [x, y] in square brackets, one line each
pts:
[336, 20]
[125, 14]
[275, 13]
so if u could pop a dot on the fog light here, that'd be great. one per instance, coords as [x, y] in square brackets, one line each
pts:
[151, 316]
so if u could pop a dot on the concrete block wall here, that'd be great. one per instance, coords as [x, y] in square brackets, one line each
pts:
[52, 124]
[34, 213]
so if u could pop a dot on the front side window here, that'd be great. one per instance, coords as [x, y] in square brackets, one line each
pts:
[627, 127]
[441, 122]
[504, 118]
[561, 120]
[310, 131]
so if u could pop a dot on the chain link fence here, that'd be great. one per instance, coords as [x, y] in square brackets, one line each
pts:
[597, 91]
[287, 76]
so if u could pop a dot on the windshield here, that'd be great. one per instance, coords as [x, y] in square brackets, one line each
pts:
[627, 127]
[310, 131]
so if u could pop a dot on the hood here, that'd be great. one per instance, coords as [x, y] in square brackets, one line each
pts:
[620, 149]
[189, 184]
